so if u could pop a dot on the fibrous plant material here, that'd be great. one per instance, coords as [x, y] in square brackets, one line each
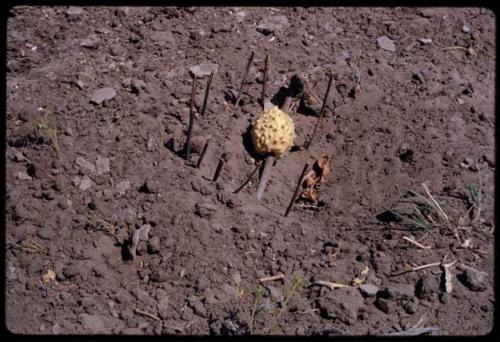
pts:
[48, 128]
[314, 178]
[264, 80]
[218, 169]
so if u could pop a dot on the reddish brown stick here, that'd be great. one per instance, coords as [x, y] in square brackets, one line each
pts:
[218, 170]
[248, 179]
[191, 120]
[321, 112]
[243, 80]
[297, 189]
[203, 152]
[205, 100]
[264, 80]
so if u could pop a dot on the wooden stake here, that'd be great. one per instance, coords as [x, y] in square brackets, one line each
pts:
[205, 147]
[276, 277]
[219, 168]
[264, 80]
[243, 80]
[209, 83]
[191, 120]
[248, 179]
[321, 112]
[297, 189]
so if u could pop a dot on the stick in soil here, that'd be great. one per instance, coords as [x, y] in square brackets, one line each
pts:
[191, 120]
[207, 91]
[243, 80]
[147, 314]
[248, 179]
[276, 277]
[297, 189]
[264, 80]
[266, 172]
[219, 168]
[202, 154]
[321, 112]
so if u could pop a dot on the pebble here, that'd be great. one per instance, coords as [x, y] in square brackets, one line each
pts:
[85, 183]
[425, 40]
[489, 158]
[368, 290]
[163, 37]
[150, 186]
[401, 291]
[46, 232]
[74, 10]
[23, 176]
[204, 69]
[85, 164]
[159, 276]
[122, 187]
[384, 305]
[272, 25]
[90, 42]
[103, 94]
[474, 280]
[343, 304]
[128, 215]
[102, 165]
[466, 28]
[154, 245]
[385, 43]
[93, 323]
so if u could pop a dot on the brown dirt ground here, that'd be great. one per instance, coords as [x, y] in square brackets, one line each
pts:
[394, 119]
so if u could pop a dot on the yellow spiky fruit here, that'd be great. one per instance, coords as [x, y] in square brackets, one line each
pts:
[273, 132]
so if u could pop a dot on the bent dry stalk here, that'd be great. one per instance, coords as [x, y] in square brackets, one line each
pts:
[187, 148]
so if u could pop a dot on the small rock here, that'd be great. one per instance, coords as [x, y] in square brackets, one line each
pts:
[122, 187]
[74, 10]
[204, 210]
[163, 37]
[343, 304]
[71, 271]
[204, 69]
[23, 176]
[93, 323]
[159, 276]
[368, 290]
[474, 280]
[489, 158]
[154, 245]
[90, 42]
[410, 308]
[150, 186]
[46, 233]
[103, 94]
[56, 329]
[468, 163]
[198, 308]
[85, 164]
[85, 183]
[128, 215]
[80, 84]
[385, 43]
[102, 165]
[466, 28]
[272, 25]
[384, 305]
[401, 291]
[425, 41]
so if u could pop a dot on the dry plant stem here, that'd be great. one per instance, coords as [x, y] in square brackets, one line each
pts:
[147, 314]
[205, 147]
[205, 100]
[191, 120]
[329, 284]
[264, 80]
[297, 189]
[248, 179]
[321, 112]
[413, 331]
[417, 268]
[266, 172]
[426, 189]
[243, 80]
[219, 168]
[276, 277]
[418, 244]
